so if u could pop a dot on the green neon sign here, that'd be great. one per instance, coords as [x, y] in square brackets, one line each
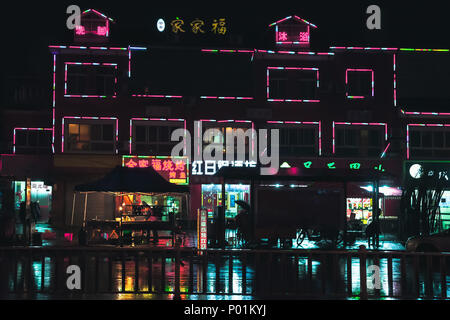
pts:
[355, 166]
[307, 164]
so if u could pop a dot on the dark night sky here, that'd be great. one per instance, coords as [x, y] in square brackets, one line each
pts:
[28, 27]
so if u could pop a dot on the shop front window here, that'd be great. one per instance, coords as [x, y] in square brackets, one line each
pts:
[212, 198]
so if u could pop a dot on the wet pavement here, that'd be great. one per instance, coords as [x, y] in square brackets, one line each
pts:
[285, 277]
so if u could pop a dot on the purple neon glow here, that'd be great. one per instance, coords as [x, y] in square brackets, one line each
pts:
[318, 123]
[90, 118]
[359, 70]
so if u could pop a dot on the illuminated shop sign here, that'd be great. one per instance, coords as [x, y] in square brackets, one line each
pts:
[350, 165]
[439, 170]
[173, 169]
[199, 26]
[210, 167]
[202, 228]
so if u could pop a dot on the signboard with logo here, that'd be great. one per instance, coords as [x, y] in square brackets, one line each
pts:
[173, 169]
[202, 228]
[430, 170]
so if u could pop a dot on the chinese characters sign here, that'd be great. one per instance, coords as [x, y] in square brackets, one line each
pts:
[174, 170]
[292, 34]
[210, 167]
[199, 26]
[202, 228]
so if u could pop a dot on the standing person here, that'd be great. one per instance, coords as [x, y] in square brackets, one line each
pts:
[25, 219]
[152, 217]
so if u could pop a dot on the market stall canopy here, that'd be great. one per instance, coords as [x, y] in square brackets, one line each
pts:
[139, 180]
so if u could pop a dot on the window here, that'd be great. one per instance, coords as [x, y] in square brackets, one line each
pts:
[33, 141]
[90, 79]
[90, 137]
[298, 141]
[154, 138]
[359, 83]
[429, 142]
[292, 84]
[227, 130]
[278, 88]
[359, 142]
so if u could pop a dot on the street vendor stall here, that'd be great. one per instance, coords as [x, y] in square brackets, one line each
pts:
[143, 201]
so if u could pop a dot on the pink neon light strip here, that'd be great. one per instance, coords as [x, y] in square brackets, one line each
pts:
[90, 118]
[318, 123]
[363, 48]
[54, 103]
[295, 17]
[291, 100]
[390, 49]
[359, 70]
[26, 129]
[129, 62]
[358, 124]
[226, 98]
[385, 150]
[150, 119]
[87, 48]
[99, 13]
[155, 96]
[228, 50]
[268, 51]
[438, 114]
[395, 81]
[107, 64]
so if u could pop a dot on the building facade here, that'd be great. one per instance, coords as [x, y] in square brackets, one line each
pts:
[336, 108]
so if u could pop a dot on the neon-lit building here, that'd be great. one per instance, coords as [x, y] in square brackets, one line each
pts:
[344, 106]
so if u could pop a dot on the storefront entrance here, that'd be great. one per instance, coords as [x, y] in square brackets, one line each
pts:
[40, 193]
[212, 198]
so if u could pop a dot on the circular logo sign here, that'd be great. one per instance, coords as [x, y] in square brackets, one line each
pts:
[160, 25]
[415, 171]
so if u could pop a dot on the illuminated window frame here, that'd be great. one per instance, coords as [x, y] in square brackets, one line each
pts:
[290, 100]
[433, 114]
[92, 118]
[153, 119]
[199, 152]
[347, 87]
[66, 64]
[434, 125]
[318, 123]
[28, 129]
[358, 124]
